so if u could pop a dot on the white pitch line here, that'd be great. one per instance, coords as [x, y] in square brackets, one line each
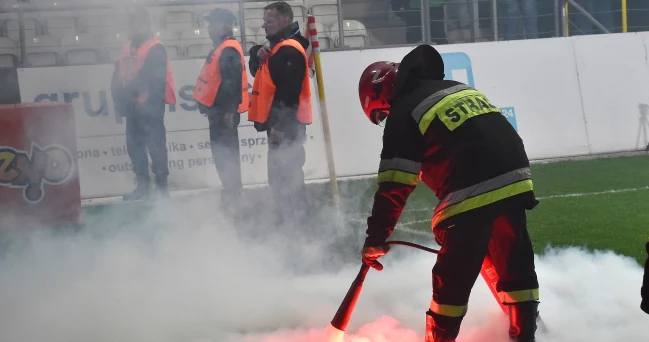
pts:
[401, 226]
[576, 194]
[596, 193]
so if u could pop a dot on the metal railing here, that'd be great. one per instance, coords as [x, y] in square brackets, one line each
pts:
[355, 24]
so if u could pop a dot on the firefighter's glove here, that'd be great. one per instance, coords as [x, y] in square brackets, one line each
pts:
[371, 254]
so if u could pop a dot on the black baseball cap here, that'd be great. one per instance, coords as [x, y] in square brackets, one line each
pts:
[221, 15]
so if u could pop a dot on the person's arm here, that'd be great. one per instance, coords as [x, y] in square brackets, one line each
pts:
[644, 292]
[116, 83]
[287, 69]
[152, 76]
[155, 67]
[403, 147]
[117, 92]
[229, 96]
[253, 62]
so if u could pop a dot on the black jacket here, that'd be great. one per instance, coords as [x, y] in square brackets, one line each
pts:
[152, 78]
[287, 68]
[228, 97]
[644, 305]
[481, 148]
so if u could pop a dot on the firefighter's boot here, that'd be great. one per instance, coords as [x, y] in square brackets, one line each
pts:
[140, 192]
[522, 321]
[161, 186]
[442, 328]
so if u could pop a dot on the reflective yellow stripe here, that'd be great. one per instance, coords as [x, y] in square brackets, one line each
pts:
[492, 184]
[448, 310]
[482, 200]
[400, 164]
[432, 100]
[519, 296]
[398, 177]
[454, 109]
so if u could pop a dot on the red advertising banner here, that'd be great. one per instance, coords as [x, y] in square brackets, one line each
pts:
[39, 178]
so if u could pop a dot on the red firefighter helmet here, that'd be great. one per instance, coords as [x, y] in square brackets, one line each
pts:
[376, 89]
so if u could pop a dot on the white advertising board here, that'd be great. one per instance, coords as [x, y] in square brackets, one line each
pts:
[104, 166]
[534, 82]
[565, 96]
[614, 90]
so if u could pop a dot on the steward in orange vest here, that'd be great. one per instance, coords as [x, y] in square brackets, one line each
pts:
[222, 95]
[130, 65]
[142, 85]
[280, 103]
[224, 60]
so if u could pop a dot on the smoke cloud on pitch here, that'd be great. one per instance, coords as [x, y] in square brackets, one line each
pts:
[186, 274]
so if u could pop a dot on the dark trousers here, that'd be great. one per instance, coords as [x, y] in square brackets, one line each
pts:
[503, 236]
[412, 17]
[224, 140]
[286, 159]
[147, 132]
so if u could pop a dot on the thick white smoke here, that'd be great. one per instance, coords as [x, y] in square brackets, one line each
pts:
[185, 274]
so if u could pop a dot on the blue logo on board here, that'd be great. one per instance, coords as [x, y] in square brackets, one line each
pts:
[457, 67]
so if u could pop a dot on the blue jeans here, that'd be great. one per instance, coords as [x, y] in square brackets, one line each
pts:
[600, 10]
[530, 18]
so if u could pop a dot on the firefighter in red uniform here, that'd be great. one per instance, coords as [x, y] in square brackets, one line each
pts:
[644, 292]
[222, 95]
[280, 103]
[452, 138]
[142, 85]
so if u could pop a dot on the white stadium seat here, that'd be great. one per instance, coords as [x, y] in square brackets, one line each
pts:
[42, 51]
[326, 13]
[60, 22]
[61, 32]
[355, 34]
[324, 36]
[9, 46]
[80, 49]
[102, 24]
[9, 52]
[179, 21]
[196, 43]
[253, 33]
[202, 11]
[171, 43]
[261, 36]
[7, 61]
[113, 45]
[31, 25]
[253, 14]
[249, 39]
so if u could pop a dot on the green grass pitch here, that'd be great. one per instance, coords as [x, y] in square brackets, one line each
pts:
[598, 204]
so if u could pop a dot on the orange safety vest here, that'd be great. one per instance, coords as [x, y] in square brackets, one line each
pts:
[209, 80]
[263, 90]
[131, 63]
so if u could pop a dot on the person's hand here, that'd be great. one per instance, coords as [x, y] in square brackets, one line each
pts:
[229, 119]
[371, 255]
[275, 135]
[263, 53]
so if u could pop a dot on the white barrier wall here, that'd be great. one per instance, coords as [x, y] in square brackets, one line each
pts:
[565, 96]
[104, 165]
